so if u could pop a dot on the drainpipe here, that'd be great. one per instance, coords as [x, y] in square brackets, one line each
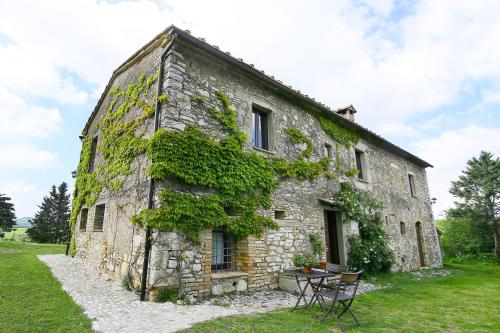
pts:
[147, 242]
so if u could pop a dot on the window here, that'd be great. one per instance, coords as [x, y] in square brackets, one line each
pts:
[83, 219]
[99, 218]
[411, 181]
[360, 164]
[402, 228]
[279, 215]
[222, 251]
[260, 128]
[328, 150]
[93, 150]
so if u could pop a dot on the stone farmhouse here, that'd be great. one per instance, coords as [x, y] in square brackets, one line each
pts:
[192, 73]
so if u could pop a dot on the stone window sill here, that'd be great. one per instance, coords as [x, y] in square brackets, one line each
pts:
[362, 180]
[228, 275]
[265, 151]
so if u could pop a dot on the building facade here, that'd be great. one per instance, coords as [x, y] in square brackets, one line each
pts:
[191, 73]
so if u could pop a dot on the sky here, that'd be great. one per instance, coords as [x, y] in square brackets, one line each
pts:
[423, 74]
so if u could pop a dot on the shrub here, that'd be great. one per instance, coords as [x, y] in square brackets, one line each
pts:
[461, 236]
[168, 295]
[317, 245]
[305, 259]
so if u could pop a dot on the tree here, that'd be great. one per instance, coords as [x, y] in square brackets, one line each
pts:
[50, 224]
[461, 236]
[479, 190]
[7, 213]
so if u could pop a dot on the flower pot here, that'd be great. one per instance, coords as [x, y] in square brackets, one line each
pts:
[322, 265]
[307, 269]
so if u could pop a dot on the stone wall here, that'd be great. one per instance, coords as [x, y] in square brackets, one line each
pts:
[190, 76]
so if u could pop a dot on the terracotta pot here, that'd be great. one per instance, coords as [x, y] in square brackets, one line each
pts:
[307, 269]
[322, 265]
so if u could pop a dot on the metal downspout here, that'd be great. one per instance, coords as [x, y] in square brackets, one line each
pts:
[147, 242]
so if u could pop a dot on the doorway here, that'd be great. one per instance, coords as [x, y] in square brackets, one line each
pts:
[420, 245]
[333, 238]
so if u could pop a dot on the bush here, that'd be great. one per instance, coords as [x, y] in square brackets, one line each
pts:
[168, 295]
[461, 236]
[305, 259]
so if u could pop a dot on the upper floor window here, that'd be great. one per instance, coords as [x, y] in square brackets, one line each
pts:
[260, 129]
[328, 150]
[360, 164]
[83, 219]
[99, 217]
[222, 251]
[402, 228]
[93, 151]
[411, 181]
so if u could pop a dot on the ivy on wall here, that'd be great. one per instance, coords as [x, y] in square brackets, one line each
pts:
[121, 140]
[238, 181]
[368, 251]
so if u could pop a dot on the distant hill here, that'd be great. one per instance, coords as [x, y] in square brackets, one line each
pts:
[23, 222]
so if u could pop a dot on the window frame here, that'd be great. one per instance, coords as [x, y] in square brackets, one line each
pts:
[93, 154]
[327, 150]
[411, 182]
[261, 141]
[227, 249]
[362, 174]
[98, 224]
[83, 226]
[402, 228]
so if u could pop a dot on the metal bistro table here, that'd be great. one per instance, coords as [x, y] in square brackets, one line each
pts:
[314, 274]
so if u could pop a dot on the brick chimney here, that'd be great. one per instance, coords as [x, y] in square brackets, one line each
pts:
[347, 112]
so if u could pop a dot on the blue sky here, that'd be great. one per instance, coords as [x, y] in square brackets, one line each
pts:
[423, 74]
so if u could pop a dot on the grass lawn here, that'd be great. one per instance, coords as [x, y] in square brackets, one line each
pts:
[31, 300]
[466, 301]
[17, 234]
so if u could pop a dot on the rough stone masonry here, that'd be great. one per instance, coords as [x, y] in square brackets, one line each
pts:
[194, 70]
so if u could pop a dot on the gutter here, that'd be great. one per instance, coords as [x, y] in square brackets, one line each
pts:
[147, 241]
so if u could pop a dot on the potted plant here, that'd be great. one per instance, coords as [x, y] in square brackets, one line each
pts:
[305, 260]
[318, 249]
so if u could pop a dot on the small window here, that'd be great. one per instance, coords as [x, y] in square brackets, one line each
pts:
[222, 251]
[93, 150]
[279, 215]
[411, 181]
[83, 219]
[402, 228]
[360, 163]
[260, 129]
[328, 150]
[99, 217]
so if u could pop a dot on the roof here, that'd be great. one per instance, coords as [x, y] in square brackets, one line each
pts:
[185, 36]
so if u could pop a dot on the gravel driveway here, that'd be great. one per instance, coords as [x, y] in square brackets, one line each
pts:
[114, 309]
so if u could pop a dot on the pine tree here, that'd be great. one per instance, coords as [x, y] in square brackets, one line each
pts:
[50, 224]
[7, 213]
[479, 190]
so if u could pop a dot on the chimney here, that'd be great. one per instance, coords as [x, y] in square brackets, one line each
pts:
[347, 112]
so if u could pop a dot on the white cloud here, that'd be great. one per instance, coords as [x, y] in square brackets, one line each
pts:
[27, 157]
[21, 120]
[449, 153]
[25, 197]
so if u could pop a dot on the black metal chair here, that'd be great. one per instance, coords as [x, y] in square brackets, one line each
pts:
[331, 283]
[343, 296]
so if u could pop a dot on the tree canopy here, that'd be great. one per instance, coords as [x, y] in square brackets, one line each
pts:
[478, 188]
[7, 213]
[50, 224]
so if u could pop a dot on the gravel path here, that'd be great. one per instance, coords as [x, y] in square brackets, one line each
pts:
[113, 309]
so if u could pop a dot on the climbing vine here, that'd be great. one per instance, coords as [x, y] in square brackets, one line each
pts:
[368, 251]
[121, 140]
[339, 133]
[239, 182]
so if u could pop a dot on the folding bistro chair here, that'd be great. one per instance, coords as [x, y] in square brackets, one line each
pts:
[343, 295]
[331, 283]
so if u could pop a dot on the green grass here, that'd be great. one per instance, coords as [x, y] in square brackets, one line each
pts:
[466, 301]
[31, 299]
[17, 234]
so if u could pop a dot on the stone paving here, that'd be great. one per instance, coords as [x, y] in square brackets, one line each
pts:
[113, 309]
